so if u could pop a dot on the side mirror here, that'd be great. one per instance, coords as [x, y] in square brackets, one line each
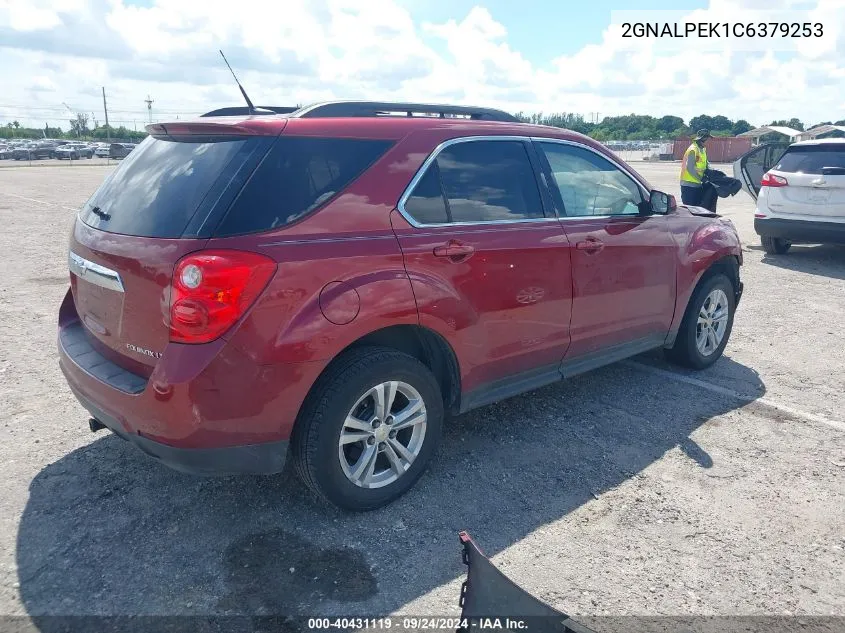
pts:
[661, 203]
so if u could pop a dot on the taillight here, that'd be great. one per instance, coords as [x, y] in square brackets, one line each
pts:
[771, 180]
[211, 290]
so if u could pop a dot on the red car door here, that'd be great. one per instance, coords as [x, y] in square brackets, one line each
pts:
[623, 260]
[489, 270]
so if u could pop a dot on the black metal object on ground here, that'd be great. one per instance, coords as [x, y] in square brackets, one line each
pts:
[487, 594]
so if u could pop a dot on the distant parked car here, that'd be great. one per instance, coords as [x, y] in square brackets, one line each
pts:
[34, 151]
[5, 151]
[120, 150]
[74, 151]
[102, 150]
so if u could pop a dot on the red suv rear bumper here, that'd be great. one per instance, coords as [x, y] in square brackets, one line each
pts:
[263, 458]
[205, 409]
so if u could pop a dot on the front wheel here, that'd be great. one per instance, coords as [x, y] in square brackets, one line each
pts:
[368, 429]
[775, 245]
[707, 324]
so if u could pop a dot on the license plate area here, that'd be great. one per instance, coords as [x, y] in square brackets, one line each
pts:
[819, 196]
[98, 294]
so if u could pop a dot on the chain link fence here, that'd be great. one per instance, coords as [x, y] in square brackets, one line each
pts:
[630, 151]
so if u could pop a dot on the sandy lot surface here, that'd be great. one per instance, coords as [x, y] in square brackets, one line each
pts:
[635, 489]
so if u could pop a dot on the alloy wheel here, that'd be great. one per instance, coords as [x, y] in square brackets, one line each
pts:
[712, 322]
[382, 434]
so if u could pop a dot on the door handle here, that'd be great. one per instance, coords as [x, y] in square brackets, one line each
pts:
[590, 245]
[454, 250]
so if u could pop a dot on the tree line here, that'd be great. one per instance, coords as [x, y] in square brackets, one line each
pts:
[79, 129]
[643, 127]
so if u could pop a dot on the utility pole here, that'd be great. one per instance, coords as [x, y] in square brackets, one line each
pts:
[149, 103]
[106, 112]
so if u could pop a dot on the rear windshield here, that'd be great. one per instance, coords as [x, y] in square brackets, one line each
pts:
[810, 159]
[161, 184]
[167, 188]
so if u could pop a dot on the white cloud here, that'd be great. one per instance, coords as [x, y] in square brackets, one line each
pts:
[299, 51]
[42, 83]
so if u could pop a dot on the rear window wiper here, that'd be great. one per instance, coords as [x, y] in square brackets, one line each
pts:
[100, 213]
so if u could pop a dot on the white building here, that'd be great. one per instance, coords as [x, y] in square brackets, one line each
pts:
[819, 130]
[756, 133]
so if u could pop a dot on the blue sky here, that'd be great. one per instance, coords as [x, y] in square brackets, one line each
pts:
[544, 30]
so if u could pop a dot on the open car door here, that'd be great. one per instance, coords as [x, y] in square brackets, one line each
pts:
[750, 167]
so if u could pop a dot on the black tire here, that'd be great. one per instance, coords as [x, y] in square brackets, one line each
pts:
[314, 444]
[685, 351]
[775, 245]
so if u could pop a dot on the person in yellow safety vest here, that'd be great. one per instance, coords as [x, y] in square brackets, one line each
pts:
[693, 166]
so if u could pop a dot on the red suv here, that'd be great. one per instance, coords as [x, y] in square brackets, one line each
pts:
[331, 283]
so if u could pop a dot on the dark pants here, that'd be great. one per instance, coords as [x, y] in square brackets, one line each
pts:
[709, 197]
[691, 195]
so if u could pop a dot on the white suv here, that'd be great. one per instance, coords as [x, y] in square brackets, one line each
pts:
[800, 192]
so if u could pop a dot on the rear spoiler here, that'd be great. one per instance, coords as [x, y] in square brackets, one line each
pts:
[228, 126]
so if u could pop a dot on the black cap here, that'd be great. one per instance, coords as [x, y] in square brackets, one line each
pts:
[702, 134]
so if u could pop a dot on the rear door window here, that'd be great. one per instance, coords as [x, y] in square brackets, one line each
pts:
[811, 159]
[162, 183]
[298, 175]
[488, 181]
[477, 181]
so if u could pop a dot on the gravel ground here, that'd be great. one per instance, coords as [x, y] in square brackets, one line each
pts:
[635, 489]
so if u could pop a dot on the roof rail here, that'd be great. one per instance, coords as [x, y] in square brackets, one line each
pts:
[244, 110]
[381, 108]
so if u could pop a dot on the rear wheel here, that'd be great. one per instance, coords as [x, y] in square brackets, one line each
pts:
[707, 324]
[775, 245]
[369, 428]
